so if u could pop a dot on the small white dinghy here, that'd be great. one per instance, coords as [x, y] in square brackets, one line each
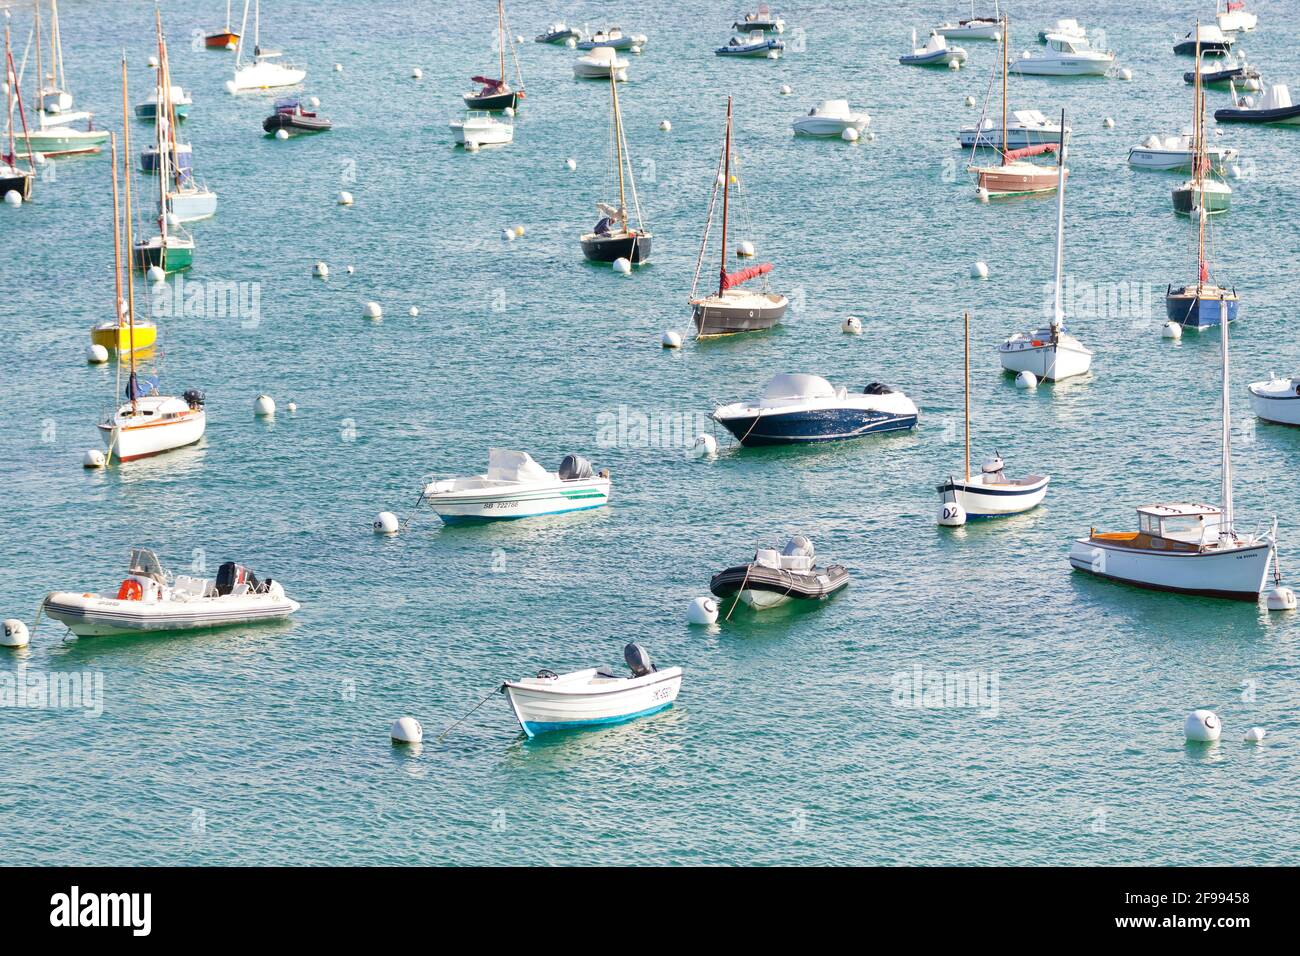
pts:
[481, 128]
[832, 118]
[515, 486]
[1277, 400]
[150, 600]
[594, 697]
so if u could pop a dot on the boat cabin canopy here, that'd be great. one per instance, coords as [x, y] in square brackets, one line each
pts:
[1067, 44]
[506, 465]
[792, 388]
[838, 109]
[1183, 522]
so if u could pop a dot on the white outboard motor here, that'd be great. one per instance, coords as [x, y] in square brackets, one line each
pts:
[638, 658]
[798, 555]
[574, 467]
[992, 468]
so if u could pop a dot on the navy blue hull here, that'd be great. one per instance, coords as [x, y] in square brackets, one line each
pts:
[804, 427]
[1197, 313]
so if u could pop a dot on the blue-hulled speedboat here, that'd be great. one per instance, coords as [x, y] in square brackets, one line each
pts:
[797, 409]
[756, 44]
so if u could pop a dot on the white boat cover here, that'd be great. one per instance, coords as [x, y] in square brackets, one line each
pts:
[1278, 97]
[788, 388]
[506, 465]
[836, 109]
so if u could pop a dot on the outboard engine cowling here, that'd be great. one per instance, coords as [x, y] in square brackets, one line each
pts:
[231, 574]
[194, 397]
[638, 659]
[800, 546]
[877, 388]
[574, 467]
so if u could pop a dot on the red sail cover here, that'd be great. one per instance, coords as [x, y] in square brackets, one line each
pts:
[1235, 5]
[730, 279]
[1027, 151]
[493, 84]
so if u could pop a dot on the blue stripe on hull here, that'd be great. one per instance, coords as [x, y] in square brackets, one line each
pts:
[804, 427]
[533, 729]
[1198, 313]
[488, 519]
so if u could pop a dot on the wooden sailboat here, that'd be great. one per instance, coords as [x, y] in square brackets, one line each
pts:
[1190, 548]
[184, 199]
[147, 423]
[1201, 193]
[172, 249]
[731, 309]
[613, 238]
[1012, 176]
[13, 179]
[1200, 305]
[990, 494]
[54, 134]
[226, 39]
[496, 94]
[121, 334]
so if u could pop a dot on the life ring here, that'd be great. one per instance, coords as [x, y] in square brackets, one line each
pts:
[130, 591]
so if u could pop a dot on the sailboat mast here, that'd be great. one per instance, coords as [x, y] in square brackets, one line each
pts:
[12, 155]
[130, 277]
[257, 27]
[162, 122]
[15, 91]
[117, 242]
[228, 16]
[56, 47]
[1005, 40]
[40, 68]
[501, 36]
[618, 145]
[1058, 312]
[1227, 436]
[1198, 137]
[726, 191]
[966, 315]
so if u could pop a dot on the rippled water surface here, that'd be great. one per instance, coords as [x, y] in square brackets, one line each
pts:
[789, 742]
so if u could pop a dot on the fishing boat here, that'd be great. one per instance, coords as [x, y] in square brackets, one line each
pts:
[152, 601]
[613, 238]
[1202, 41]
[732, 309]
[1050, 354]
[973, 27]
[990, 494]
[1067, 27]
[831, 118]
[1178, 153]
[1223, 71]
[558, 33]
[480, 128]
[1023, 128]
[121, 334]
[515, 486]
[292, 117]
[180, 105]
[1012, 176]
[797, 409]
[1202, 192]
[773, 578]
[1233, 17]
[756, 44]
[264, 71]
[936, 52]
[1187, 548]
[761, 19]
[595, 697]
[13, 179]
[225, 39]
[1277, 400]
[614, 38]
[1064, 56]
[495, 93]
[600, 64]
[1274, 107]
[54, 134]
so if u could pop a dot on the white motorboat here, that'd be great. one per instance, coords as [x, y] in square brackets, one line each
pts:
[1067, 27]
[595, 697]
[832, 118]
[1051, 354]
[1177, 153]
[515, 486]
[773, 579]
[973, 27]
[936, 52]
[1203, 41]
[1024, 128]
[1064, 57]
[756, 44]
[797, 409]
[1277, 400]
[613, 38]
[990, 494]
[600, 64]
[265, 71]
[481, 128]
[761, 19]
[1233, 17]
[150, 600]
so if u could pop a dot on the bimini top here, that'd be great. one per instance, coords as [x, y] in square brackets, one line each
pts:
[791, 387]
[1179, 510]
[836, 109]
[506, 465]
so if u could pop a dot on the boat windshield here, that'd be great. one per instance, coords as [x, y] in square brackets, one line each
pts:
[1191, 528]
[145, 563]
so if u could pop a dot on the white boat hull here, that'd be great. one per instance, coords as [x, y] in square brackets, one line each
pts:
[540, 708]
[977, 31]
[828, 126]
[520, 501]
[92, 615]
[1144, 157]
[265, 76]
[1047, 362]
[996, 501]
[764, 600]
[1237, 21]
[130, 442]
[599, 71]
[1237, 573]
[1274, 405]
[493, 134]
[1034, 66]
[192, 206]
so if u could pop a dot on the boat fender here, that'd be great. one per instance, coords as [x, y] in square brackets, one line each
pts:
[130, 591]
[638, 659]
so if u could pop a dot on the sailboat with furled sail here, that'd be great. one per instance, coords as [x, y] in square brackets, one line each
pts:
[496, 94]
[613, 238]
[731, 309]
[1202, 193]
[264, 71]
[121, 334]
[1013, 176]
[13, 179]
[172, 249]
[184, 199]
[225, 39]
[148, 422]
[54, 134]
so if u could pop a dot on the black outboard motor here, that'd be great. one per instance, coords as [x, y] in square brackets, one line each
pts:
[574, 467]
[194, 397]
[876, 388]
[638, 658]
[231, 574]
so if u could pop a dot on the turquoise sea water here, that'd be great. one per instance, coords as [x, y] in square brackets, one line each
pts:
[789, 743]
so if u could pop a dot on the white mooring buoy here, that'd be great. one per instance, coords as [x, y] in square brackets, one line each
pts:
[982, 194]
[338, 67]
[850, 135]
[954, 64]
[386, 523]
[1026, 380]
[96, 354]
[671, 339]
[14, 634]
[264, 406]
[1254, 735]
[1125, 74]
[706, 446]
[416, 73]
[702, 610]
[93, 458]
[156, 274]
[320, 270]
[785, 89]
[413, 312]
[665, 126]
[1280, 599]
[572, 164]
[970, 101]
[345, 198]
[951, 514]
[282, 134]
[1108, 123]
[979, 270]
[293, 407]
[406, 730]
[1202, 726]
[851, 326]
[14, 198]
[372, 311]
[1171, 330]
[745, 249]
[623, 266]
